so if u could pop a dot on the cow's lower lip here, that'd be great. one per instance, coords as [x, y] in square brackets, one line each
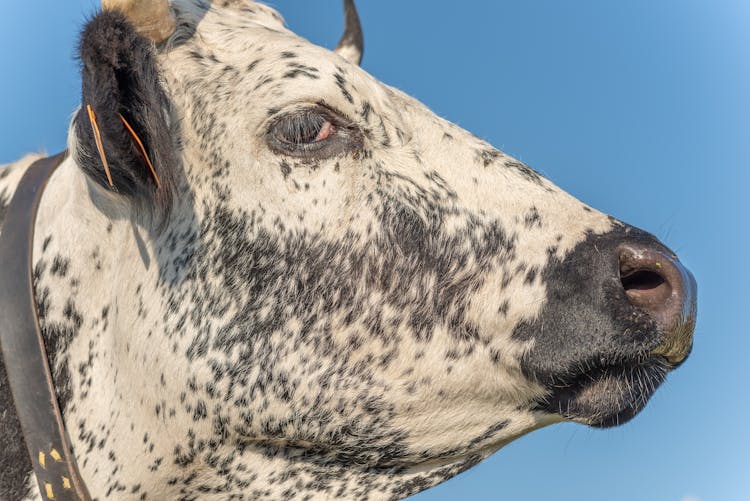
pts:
[609, 395]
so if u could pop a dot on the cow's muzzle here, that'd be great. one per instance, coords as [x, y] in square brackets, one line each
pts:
[619, 316]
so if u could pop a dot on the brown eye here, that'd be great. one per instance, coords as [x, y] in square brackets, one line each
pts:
[317, 131]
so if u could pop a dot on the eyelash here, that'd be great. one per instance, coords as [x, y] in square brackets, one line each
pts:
[304, 129]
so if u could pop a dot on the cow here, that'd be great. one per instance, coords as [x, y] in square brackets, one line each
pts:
[260, 273]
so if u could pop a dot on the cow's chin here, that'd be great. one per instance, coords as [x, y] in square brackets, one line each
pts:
[609, 395]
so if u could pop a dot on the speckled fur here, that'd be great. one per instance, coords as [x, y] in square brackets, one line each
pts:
[334, 328]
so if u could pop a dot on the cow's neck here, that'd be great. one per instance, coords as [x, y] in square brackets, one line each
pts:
[83, 256]
[96, 274]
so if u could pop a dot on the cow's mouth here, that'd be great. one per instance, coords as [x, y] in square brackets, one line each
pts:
[608, 395]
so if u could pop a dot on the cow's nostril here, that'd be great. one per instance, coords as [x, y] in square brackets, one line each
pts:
[645, 288]
[654, 281]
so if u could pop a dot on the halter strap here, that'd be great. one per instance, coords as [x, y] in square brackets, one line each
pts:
[22, 344]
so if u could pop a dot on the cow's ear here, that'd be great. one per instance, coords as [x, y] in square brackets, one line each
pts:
[123, 139]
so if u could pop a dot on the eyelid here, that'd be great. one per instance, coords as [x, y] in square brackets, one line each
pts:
[336, 117]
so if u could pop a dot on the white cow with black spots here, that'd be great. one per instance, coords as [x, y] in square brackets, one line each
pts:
[323, 290]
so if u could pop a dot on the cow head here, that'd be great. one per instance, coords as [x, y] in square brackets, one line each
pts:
[323, 287]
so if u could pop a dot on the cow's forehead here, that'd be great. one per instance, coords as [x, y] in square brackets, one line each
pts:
[268, 64]
[234, 29]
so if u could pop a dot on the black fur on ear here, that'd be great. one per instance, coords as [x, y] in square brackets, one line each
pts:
[120, 80]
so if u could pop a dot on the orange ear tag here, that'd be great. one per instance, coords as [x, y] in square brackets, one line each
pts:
[99, 144]
[142, 149]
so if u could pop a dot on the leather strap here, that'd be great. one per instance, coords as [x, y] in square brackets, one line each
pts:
[22, 344]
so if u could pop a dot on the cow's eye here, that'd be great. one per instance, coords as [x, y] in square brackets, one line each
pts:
[304, 128]
[317, 132]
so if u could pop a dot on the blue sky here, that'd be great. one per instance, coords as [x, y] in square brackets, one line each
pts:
[639, 108]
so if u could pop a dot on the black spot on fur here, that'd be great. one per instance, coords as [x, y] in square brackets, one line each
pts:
[488, 155]
[366, 110]
[532, 219]
[297, 73]
[286, 169]
[527, 172]
[341, 83]
[252, 66]
[60, 266]
[297, 69]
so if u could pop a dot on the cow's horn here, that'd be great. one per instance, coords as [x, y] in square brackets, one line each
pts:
[352, 44]
[152, 18]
